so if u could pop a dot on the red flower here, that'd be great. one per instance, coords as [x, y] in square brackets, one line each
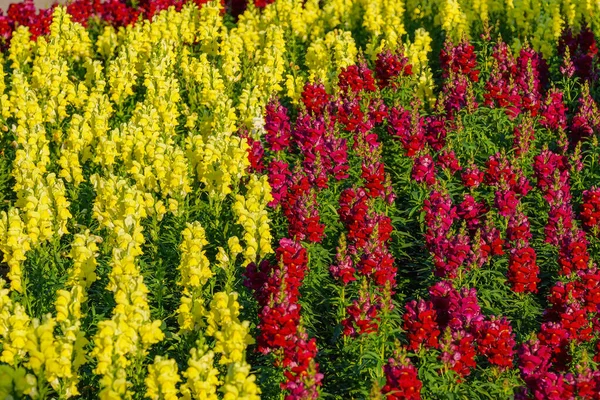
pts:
[420, 325]
[401, 380]
[523, 270]
[496, 341]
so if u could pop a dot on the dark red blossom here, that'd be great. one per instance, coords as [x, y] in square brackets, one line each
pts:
[356, 78]
[423, 170]
[315, 98]
[590, 209]
[523, 270]
[389, 66]
[496, 341]
[401, 380]
[421, 325]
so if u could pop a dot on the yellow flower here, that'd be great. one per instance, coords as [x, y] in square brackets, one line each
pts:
[202, 378]
[162, 379]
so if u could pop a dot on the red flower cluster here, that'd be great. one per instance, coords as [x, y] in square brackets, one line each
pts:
[356, 78]
[583, 52]
[401, 380]
[459, 70]
[496, 341]
[390, 66]
[420, 324]
[516, 84]
[590, 210]
[276, 288]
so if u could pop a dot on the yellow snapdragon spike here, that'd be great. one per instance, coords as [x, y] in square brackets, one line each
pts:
[239, 383]
[14, 326]
[201, 376]
[70, 344]
[14, 243]
[195, 271]
[162, 379]
[253, 217]
[325, 57]
[232, 335]
[130, 332]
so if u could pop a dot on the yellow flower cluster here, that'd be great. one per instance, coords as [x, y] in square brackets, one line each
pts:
[325, 57]
[120, 208]
[251, 210]
[68, 312]
[232, 337]
[384, 20]
[14, 326]
[162, 379]
[201, 375]
[418, 52]
[539, 22]
[195, 271]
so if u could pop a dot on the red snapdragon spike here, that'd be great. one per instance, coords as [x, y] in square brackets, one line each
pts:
[315, 98]
[276, 289]
[459, 59]
[472, 212]
[553, 115]
[389, 67]
[401, 380]
[374, 178]
[587, 385]
[545, 165]
[363, 315]
[523, 270]
[492, 238]
[439, 216]
[449, 258]
[436, 130]
[518, 232]
[496, 341]
[277, 127]
[589, 285]
[472, 177]
[506, 202]
[420, 325]
[343, 269]
[532, 74]
[583, 51]
[586, 122]
[524, 134]
[300, 209]
[590, 210]
[457, 310]
[499, 172]
[542, 383]
[256, 153]
[423, 170]
[556, 338]
[279, 176]
[458, 352]
[447, 160]
[409, 128]
[574, 320]
[501, 91]
[378, 111]
[573, 254]
[456, 95]
[534, 358]
[356, 78]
